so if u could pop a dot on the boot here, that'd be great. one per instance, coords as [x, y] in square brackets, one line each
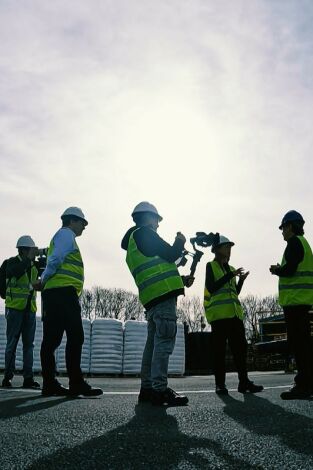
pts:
[248, 386]
[7, 383]
[83, 388]
[168, 397]
[221, 390]
[54, 389]
[296, 393]
[145, 395]
[30, 383]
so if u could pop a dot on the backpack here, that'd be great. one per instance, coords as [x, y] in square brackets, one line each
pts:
[3, 279]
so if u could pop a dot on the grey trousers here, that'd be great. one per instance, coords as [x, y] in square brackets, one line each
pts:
[22, 323]
[160, 344]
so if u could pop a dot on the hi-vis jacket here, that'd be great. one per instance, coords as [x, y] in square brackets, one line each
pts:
[223, 303]
[298, 289]
[19, 289]
[154, 276]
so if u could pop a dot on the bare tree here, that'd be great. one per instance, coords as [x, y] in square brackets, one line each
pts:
[87, 304]
[191, 312]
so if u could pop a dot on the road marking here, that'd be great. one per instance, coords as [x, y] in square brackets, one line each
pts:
[113, 392]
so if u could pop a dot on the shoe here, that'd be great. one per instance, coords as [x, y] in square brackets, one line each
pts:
[249, 386]
[83, 388]
[145, 395]
[168, 397]
[54, 390]
[296, 393]
[30, 383]
[221, 390]
[7, 383]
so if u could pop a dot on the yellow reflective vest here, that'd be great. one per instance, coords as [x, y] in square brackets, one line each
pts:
[298, 289]
[223, 303]
[153, 276]
[19, 290]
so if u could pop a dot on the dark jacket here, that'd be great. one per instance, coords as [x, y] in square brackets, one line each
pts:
[294, 254]
[151, 244]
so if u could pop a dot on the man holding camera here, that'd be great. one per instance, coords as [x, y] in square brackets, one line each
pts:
[62, 283]
[152, 263]
[20, 312]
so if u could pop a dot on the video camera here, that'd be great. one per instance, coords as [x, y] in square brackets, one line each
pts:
[201, 239]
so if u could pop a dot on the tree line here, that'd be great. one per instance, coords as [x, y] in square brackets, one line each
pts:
[120, 304]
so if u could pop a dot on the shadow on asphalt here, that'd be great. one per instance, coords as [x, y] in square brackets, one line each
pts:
[20, 406]
[259, 416]
[151, 439]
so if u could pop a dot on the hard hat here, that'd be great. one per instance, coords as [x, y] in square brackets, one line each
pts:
[291, 216]
[76, 211]
[25, 242]
[221, 240]
[146, 207]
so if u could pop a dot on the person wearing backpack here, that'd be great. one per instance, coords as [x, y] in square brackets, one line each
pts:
[20, 312]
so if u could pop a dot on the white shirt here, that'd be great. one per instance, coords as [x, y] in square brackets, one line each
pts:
[64, 243]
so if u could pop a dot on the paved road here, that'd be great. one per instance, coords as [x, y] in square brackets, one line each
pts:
[113, 432]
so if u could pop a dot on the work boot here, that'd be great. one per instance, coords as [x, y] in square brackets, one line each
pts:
[296, 393]
[54, 389]
[168, 397]
[221, 390]
[30, 383]
[145, 395]
[83, 388]
[248, 386]
[7, 383]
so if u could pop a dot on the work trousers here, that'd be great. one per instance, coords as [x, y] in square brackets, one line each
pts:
[300, 343]
[162, 329]
[233, 331]
[62, 313]
[19, 323]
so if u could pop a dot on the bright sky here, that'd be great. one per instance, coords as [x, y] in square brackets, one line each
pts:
[203, 108]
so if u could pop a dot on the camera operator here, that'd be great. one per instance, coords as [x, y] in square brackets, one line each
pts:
[152, 263]
[20, 312]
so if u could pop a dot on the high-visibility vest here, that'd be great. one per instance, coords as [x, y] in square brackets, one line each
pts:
[223, 303]
[298, 289]
[19, 289]
[69, 273]
[153, 275]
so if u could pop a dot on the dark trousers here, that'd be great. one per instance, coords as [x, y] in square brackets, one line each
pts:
[62, 312]
[299, 342]
[233, 331]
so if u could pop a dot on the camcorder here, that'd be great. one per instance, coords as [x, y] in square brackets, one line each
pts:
[201, 239]
[41, 259]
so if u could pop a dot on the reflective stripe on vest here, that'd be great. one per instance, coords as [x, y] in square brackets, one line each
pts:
[19, 290]
[154, 276]
[298, 289]
[69, 273]
[223, 303]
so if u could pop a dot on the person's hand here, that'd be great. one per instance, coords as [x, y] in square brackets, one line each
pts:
[188, 280]
[180, 236]
[37, 285]
[274, 267]
[243, 277]
[239, 272]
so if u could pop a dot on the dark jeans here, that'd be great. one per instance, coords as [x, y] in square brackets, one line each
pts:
[62, 312]
[233, 331]
[19, 323]
[299, 341]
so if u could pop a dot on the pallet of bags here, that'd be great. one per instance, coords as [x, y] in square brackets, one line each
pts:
[106, 346]
[135, 335]
[177, 359]
[85, 356]
[37, 345]
[3, 339]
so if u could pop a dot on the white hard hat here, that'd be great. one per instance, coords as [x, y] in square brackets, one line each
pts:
[146, 207]
[76, 211]
[222, 241]
[26, 242]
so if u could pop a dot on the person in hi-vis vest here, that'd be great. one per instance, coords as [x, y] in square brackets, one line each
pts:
[151, 262]
[20, 310]
[225, 314]
[61, 284]
[296, 297]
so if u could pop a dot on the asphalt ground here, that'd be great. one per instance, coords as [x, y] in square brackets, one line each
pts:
[113, 432]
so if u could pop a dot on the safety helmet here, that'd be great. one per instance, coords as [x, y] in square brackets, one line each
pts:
[146, 207]
[25, 241]
[75, 211]
[221, 240]
[291, 216]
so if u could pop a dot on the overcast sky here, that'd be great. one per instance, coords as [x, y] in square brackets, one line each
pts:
[202, 107]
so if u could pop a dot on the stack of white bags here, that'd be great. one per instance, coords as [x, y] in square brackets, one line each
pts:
[2, 340]
[177, 359]
[106, 346]
[135, 335]
[37, 345]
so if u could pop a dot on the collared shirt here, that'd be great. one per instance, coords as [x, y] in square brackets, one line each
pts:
[64, 244]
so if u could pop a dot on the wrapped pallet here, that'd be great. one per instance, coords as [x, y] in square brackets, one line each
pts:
[85, 356]
[135, 335]
[177, 359]
[106, 346]
[37, 345]
[2, 339]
